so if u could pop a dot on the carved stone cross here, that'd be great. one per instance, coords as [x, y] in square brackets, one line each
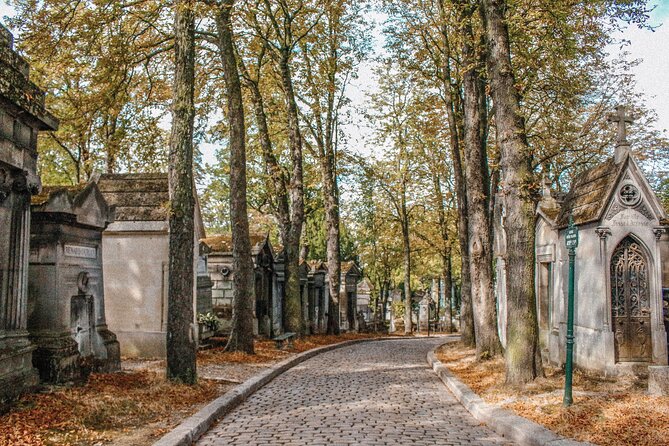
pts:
[621, 118]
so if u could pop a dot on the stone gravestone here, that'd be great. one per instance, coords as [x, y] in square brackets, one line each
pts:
[66, 305]
[22, 116]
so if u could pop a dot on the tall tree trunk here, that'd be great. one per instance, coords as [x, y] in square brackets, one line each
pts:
[454, 109]
[181, 342]
[378, 315]
[243, 300]
[406, 249]
[331, 196]
[384, 304]
[478, 194]
[522, 350]
[282, 210]
[293, 320]
[448, 288]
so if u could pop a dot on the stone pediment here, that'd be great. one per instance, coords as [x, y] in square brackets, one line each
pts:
[631, 201]
[83, 204]
[606, 190]
[350, 268]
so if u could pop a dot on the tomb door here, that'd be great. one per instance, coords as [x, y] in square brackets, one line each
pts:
[630, 303]
[82, 322]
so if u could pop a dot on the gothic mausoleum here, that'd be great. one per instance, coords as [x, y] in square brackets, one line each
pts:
[621, 268]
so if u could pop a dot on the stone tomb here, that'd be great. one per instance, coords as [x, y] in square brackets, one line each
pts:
[348, 296]
[365, 290]
[623, 249]
[66, 305]
[318, 296]
[136, 261]
[222, 272]
[22, 116]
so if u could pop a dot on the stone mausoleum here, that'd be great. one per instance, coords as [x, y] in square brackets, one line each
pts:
[348, 296]
[267, 310]
[621, 264]
[22, 116]
[66, 305]
[136, 261]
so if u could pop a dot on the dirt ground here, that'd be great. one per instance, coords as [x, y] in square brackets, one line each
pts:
[137, 405]
[616, 412]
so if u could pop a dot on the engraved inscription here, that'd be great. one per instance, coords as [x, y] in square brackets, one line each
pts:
[85, 252]
[630, 222]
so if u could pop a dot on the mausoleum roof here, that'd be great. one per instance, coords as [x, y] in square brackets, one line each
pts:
[49, 191]
[222, 243]
[137, 196]
[588, 197]
[349, 267]
[551, 213]
[84, 202]
[317, 265]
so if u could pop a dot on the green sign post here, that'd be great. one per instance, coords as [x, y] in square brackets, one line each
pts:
[571, 240]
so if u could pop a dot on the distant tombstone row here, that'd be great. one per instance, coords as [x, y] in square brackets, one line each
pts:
[270, 295]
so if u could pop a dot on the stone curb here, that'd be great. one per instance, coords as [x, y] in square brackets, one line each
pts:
[504, 422]
[192, 428]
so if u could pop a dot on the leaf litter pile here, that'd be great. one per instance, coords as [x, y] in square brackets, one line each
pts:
[113, 408]
[606, 411]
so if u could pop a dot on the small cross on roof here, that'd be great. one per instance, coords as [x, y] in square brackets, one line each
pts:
[622, 119]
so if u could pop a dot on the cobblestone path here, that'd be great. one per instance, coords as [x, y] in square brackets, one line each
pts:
[374, 393]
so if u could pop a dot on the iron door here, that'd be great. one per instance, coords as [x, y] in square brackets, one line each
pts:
[630, 303]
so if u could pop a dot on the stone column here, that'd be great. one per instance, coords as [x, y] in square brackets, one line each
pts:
[660, 354]
[604, 233]
[22, 116]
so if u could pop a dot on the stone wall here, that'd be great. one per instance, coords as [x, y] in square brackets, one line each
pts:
[22, 116]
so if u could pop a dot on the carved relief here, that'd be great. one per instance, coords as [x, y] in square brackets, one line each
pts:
[603, 232]
[629, 195]
[5, 184]
[614, 210]
[643, 210]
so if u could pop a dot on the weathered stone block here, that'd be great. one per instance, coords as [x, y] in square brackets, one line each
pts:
[658, 380]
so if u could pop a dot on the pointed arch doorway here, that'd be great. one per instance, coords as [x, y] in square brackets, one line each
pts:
[630, 302]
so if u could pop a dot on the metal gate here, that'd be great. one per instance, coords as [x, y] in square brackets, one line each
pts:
[630, 303]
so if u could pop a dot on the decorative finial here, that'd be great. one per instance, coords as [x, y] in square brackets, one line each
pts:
[621, 118]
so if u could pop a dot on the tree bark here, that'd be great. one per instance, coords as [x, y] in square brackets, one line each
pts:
[522, 349]
[282, 210]
[243, 300]
[181, 342]
[454, 109]
[331, 196]
[293, 311]
[406, 249]
[478, 198]
[448, 286]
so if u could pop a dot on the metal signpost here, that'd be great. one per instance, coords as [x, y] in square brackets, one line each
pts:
[571, 240]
